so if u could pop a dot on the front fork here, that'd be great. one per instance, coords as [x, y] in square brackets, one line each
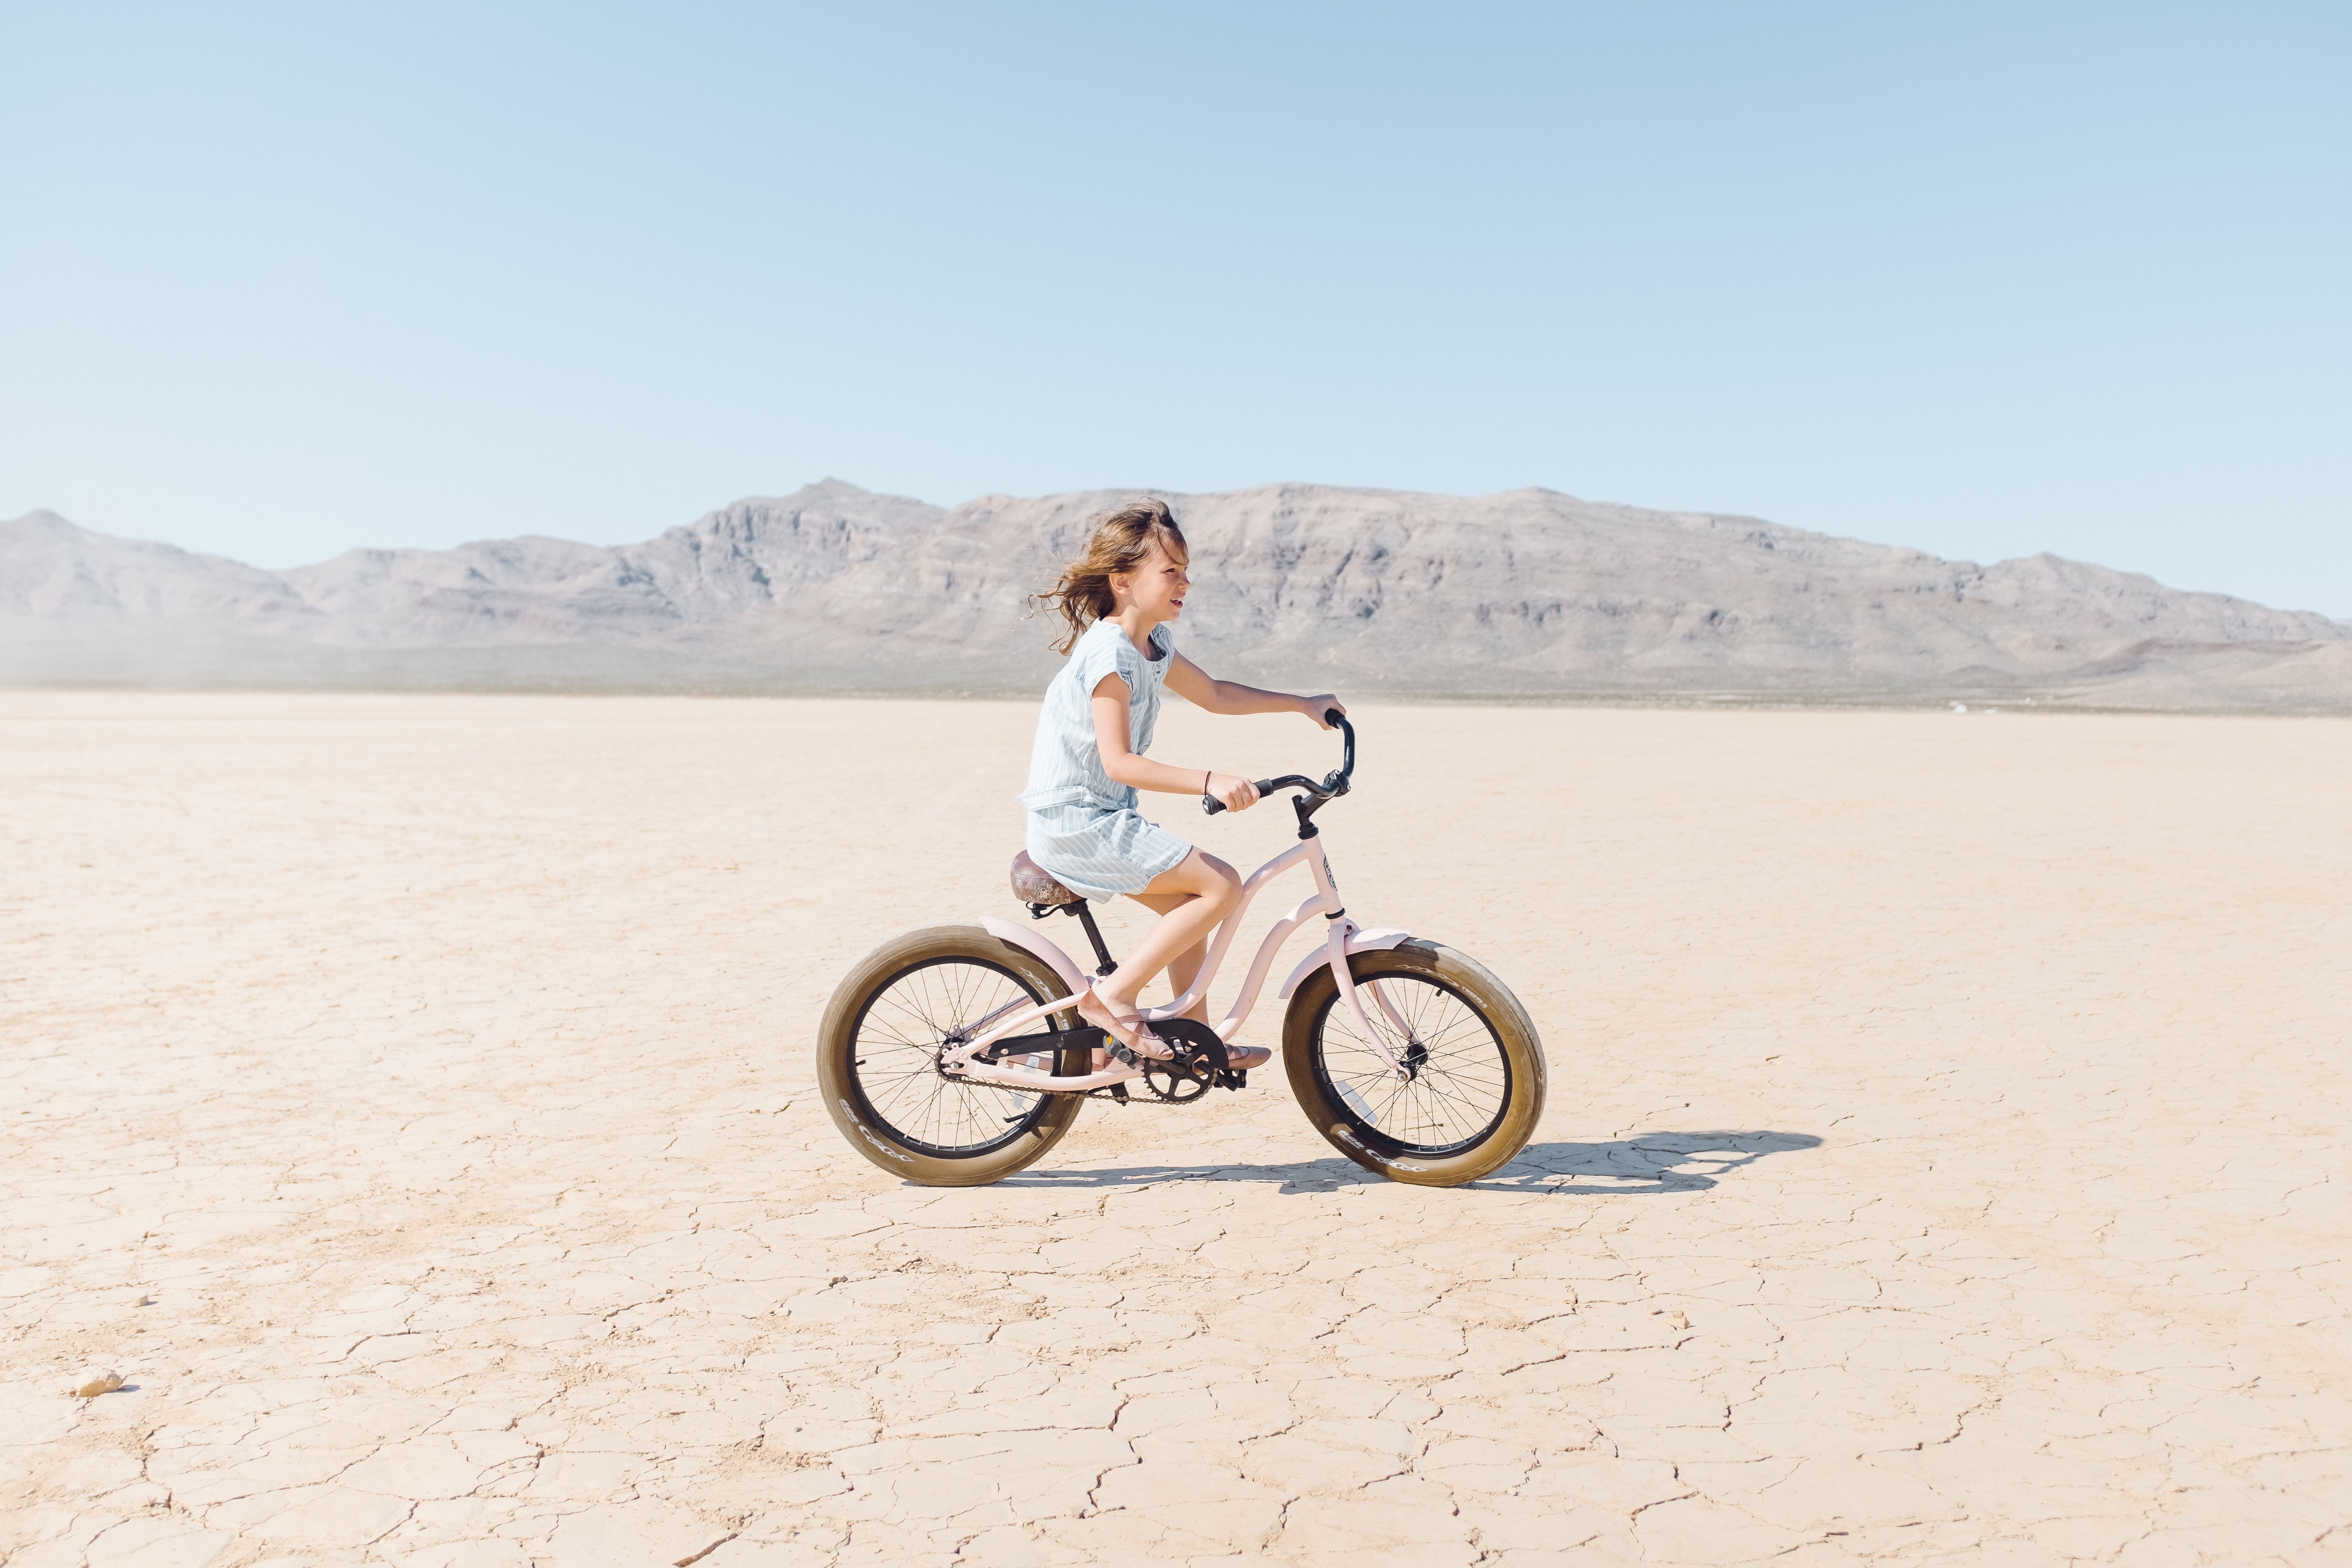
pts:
[1335, 943]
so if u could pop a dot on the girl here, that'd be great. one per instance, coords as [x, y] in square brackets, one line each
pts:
[1121, 597]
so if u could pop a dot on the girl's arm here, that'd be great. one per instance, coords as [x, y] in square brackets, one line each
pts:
[1110, 707]
[1193, 685]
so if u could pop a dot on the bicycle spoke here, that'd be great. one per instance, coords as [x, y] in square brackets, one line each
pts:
[896, 1052]
[1459, 1084]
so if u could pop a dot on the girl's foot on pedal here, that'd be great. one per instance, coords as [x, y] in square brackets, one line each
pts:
[1127, 1027]
[1241, 1058]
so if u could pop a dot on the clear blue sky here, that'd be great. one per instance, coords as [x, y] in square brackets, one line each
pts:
[1983, 279]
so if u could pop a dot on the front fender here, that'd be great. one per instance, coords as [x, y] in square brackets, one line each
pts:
[1358, 941]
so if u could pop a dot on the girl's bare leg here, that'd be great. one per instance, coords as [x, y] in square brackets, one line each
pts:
[1182, 969]
[1191, 899]
[1197, 893]
[1185, 967]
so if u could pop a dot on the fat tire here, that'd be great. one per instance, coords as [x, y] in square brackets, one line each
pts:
[1349, 1134]
[870, 1133]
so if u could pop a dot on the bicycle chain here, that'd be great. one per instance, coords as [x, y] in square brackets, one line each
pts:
[1153, 1095]
[1199, 1066]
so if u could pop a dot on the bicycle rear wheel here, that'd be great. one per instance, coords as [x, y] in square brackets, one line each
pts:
[1477, 1083]
[879, 1048]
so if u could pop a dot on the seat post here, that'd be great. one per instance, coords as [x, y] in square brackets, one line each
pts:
[1094, 934]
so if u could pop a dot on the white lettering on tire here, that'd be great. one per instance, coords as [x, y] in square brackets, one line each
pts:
[1344, 1131]
[879, 1142]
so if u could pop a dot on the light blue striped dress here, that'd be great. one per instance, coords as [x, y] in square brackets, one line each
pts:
[1084, 828]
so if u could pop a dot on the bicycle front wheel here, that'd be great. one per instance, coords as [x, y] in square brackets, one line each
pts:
[878, 1050]
[1474, 1080]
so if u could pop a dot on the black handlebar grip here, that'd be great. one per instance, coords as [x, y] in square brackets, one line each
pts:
[1212, 805]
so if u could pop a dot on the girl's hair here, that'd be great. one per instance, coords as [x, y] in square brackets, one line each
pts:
[1119, 542]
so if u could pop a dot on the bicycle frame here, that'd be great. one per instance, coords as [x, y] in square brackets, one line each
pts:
[1342, 937]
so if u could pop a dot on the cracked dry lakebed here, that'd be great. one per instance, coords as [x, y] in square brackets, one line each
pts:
[411, 1099]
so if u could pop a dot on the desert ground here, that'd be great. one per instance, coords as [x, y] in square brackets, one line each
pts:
[412, 1099]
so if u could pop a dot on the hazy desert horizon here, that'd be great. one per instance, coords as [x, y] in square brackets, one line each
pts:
[1527, 594]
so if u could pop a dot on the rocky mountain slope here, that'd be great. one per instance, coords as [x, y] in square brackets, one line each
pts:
[1528, 592]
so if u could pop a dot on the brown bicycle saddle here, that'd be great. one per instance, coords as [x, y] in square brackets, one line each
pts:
[1033, 884]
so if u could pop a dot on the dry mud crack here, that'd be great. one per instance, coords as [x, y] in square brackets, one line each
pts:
[412, 1099]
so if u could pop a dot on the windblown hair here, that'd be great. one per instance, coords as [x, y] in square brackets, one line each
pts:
[1119, 542]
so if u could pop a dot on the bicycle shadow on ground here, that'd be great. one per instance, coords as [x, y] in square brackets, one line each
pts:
[1646, 1164]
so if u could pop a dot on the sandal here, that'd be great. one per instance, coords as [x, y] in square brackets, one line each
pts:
[1131, 1039]
[1241, 1058]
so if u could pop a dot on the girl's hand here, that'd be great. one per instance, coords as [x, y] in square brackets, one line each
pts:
[1238, 793]
[1316, 707]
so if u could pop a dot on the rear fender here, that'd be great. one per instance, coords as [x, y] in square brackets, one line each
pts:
[1041, 945]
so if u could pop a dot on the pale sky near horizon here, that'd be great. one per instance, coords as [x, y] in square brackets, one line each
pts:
[1984, 279]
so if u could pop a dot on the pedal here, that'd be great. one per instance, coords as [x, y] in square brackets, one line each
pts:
[1233, 1079]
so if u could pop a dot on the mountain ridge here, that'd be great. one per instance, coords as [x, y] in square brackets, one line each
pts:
[1522, 594]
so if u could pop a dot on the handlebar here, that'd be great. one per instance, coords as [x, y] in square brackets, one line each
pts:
[1335, 783]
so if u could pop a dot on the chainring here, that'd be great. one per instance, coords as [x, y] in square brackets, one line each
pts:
[1199, 1064]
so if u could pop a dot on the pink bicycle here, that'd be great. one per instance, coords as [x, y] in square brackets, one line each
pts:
[952, 1056]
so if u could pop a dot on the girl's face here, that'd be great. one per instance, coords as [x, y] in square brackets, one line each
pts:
[1157, 586]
